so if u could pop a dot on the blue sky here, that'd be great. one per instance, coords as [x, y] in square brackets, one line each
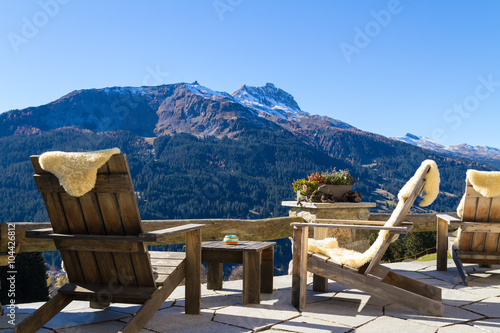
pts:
[390, 67]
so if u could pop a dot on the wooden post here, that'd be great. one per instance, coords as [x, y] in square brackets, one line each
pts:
[442, 244]
[193, 272]
[303, 268]
[297, 256]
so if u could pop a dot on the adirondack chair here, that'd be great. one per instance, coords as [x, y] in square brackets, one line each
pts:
[102, 244]
[478, 240]
[372, 277]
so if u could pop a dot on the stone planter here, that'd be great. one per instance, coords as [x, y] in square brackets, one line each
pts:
[335, 190]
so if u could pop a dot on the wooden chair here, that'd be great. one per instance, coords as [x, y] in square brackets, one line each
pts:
[102, 244]
[371, 278]
[479, 235]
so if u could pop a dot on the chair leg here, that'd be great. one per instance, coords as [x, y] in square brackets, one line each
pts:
[320, 283]
[45, 313]
[152, 305]
[460, 267]
[442, 245]
[147, 311]
[267, 271]
[299, 268]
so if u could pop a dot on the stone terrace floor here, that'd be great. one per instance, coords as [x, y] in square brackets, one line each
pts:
[473, 309]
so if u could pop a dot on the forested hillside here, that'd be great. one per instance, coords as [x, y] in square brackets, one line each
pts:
[182, 176]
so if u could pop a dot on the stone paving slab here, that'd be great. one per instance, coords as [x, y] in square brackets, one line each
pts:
[388, 324]
[347, 313]
[460, 297]
[304, 324]
[489, 325]
[461, 328]
[474, 308]
[488, 307]
[175, 320]
[106, 327]
[361, 298]
[451, 315]
[254, 316]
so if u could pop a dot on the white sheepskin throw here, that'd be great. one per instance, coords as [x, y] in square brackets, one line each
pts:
[350, 258]
[77, 172]
[487, 183]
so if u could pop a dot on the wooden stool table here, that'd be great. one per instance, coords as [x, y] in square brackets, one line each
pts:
[258, 265]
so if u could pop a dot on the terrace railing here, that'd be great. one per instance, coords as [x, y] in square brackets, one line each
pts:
[258, 230]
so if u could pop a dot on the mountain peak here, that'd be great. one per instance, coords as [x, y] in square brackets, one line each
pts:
[197, 89]
[412, 136]
[270, 100]
[270, 85]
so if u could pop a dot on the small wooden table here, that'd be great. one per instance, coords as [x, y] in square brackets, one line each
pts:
[258, 265]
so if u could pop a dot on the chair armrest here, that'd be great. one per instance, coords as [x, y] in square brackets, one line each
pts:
[449, 219]
[152, 236]
[38, 232]
[395, 230]
[159, 235]
[353, 222]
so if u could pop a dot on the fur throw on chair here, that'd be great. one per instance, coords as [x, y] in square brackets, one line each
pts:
[77, 172]
[329, 246]
[487, 183]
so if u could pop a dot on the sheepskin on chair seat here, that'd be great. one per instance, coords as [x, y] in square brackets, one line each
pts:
[487, 183]
[329, 246]
[77, 172]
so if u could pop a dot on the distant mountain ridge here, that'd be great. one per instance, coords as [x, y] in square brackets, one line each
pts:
[484, 154]
[167, 109]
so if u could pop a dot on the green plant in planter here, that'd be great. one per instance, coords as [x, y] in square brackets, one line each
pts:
[305, 187]
[341, 177]
[334, 177]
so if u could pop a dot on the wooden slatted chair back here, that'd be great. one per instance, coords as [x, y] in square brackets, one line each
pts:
[419, 186]
[478, 208]
[109, 209]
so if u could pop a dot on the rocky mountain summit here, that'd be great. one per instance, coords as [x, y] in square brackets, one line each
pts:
[168, 109]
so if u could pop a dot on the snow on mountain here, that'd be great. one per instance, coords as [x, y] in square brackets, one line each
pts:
[483, 154]
[269, 99]
[420, 141]
[197, 89]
